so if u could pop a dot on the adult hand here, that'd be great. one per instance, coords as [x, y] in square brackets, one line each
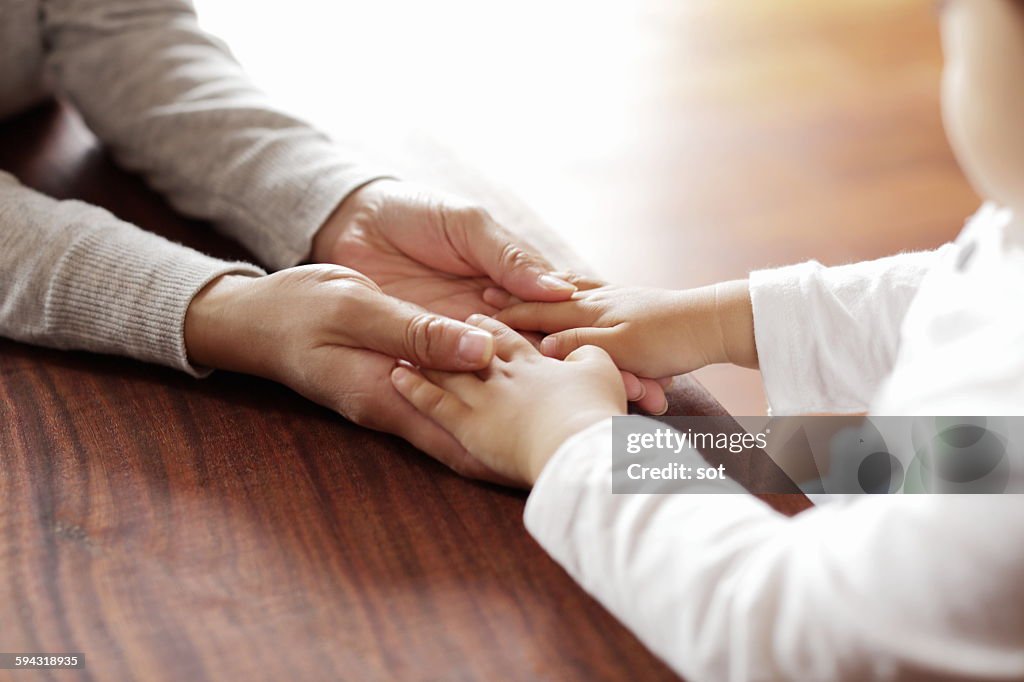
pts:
[433, 250]
[443, 253]
[332, 335]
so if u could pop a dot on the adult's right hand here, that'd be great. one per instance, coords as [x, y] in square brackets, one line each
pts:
[332, 335]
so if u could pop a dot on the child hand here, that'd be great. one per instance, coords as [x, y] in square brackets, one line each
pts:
[514, 415]
[650, 332]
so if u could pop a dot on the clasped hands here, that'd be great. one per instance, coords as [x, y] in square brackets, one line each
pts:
[398, 269]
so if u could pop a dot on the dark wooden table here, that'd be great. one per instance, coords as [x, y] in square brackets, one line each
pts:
[174, 529]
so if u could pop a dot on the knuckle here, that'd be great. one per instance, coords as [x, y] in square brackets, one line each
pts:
[352, 296]
[436, 402]
[336, 276]
[573, 339]
[345, 307]
[552, 344]
[500, 331]
[420, 332]
[430, 399]
[514, 257]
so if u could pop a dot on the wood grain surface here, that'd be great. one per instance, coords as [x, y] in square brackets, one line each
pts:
[175, 529]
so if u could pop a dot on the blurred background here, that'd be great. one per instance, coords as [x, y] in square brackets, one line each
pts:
[672, 143]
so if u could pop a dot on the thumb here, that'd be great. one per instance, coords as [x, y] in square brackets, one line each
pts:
[513, 266]
[404, 330]
[560, 345]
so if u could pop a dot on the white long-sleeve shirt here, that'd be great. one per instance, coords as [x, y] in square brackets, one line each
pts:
[880, 587]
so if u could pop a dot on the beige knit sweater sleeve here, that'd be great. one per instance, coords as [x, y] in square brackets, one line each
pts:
[172, 104]
[74, 276]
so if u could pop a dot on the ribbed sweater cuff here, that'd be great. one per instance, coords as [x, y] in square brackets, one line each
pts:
[126, 292]
[302, 189]
[306, 216]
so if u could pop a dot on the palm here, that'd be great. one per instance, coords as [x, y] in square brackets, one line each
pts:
[444, 283]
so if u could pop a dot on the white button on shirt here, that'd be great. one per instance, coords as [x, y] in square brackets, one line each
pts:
[894, 587]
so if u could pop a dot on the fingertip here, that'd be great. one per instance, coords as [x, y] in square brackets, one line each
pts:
[544, 288]
[643, 389]
[635, 389]
[549, 346]
[499, 298]
[656, 405]
[493, 296]
[401, 377]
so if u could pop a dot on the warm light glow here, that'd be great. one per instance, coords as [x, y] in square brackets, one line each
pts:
[508, 86]
[671, 142]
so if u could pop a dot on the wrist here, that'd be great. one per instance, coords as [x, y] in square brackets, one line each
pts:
[329, 233]
[547, 444]
[346, 214]
[695, 319]
[213, 334]
[734, 322]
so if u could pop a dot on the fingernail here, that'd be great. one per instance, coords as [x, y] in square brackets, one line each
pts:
[662, 411]
[475, 318]
[548, 345]
[555, 283]
[475, 347]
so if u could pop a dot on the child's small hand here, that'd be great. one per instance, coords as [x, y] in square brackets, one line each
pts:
[515, 414]
[650, 332]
